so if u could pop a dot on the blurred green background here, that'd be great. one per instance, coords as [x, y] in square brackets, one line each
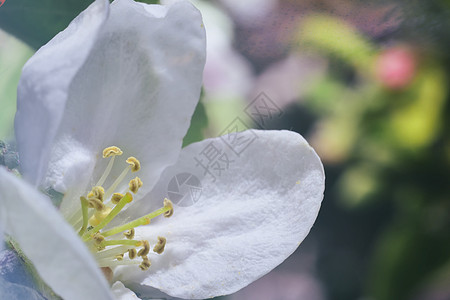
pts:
[366, 82]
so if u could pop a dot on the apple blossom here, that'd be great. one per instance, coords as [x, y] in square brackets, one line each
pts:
[102, 112]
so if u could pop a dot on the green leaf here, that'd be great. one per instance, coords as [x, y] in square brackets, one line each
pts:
[36, 22]
[199, 122]
[13, 55]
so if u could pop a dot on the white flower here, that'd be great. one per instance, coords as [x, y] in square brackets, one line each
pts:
[130, 75]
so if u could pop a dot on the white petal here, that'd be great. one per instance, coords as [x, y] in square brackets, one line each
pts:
[244, 224]
[54, 248]
[122, 293]
[43, 88]
[137, 90]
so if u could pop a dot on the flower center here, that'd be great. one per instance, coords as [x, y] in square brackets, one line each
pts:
[116, 246]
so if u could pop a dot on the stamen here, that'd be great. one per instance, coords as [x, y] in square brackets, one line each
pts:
[115, 198]
[132, 253]
[134, 162]
[125, 200]
[129, 234]
[144, 251]
[108, 169]
[112, 252]
[136, 223]
[168, 204]
[98, 238]
[96, 203]
[116, 182]
[119, 257]
[135, 184]
[145, 265]
[159, 247]
[121, 242]
[84, 211]
[145, 220]
[97, 192]
[104, 212]
[112, 151]
[113, 263]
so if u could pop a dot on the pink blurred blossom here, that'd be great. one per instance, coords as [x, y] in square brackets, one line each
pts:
[395, 67]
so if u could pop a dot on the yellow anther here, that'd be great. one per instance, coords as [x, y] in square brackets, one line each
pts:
[119, 257]
[97, 192]
[99, 215]
[112, 151]
[98, 238]
[115, 198]
[168, 204]
[145, 250]
[134, 162]
[135, 184]
[132, 253]
[129, 234]
[145, 265]
[159, 247]
[95, 203]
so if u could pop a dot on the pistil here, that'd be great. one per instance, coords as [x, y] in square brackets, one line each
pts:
[84, 211]
[125, 200]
